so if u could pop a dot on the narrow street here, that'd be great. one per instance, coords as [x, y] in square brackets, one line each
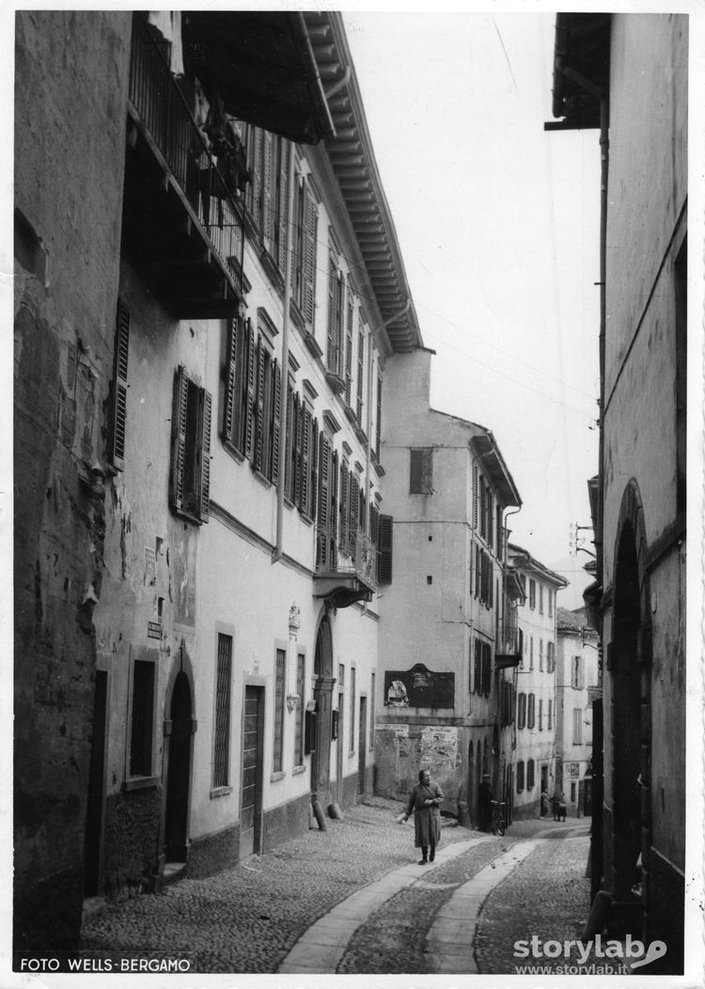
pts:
[353, 900]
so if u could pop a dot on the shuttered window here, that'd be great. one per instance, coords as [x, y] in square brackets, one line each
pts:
[221, 755]
[336, 297]
[299, 726]
[360, 375]
[520, 776]
[385, 529]
[118, 416]
[190, 448]
[530, 774]
[531, 712]
[279, 700]
[349, 349]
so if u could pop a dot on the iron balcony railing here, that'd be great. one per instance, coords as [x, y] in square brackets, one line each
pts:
[349, 551]
[165, 114]
[510, 639]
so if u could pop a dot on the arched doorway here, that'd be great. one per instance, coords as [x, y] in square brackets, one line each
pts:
[178, 782]
[630, 667]
[323, 696]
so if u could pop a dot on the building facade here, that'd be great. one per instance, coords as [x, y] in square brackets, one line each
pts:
[627, 76]
[201, 525]
[445, 690]
[577, 689]
[535, 752]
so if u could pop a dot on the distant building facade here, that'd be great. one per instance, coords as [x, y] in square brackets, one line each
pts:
[627, 75]
[577, 688]
[445, 696]
[534, 753]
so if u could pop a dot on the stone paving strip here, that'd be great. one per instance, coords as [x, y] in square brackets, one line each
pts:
[323, 945]
[450, 943]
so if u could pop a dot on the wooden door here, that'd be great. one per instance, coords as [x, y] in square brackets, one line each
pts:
[252, 760]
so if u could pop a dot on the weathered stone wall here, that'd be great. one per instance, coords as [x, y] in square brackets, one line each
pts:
[71, 72]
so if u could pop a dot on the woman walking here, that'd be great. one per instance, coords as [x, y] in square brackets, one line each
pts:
[425, 801]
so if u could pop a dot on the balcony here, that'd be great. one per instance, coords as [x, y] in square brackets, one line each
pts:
[510, 644]
[182, 222]
[346, 566]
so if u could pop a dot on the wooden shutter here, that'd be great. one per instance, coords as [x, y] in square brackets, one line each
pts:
[298, 439]
[354, 506]
[332, 300]
[259, 408]
[360, 375]
[251, 387]
[344, 526]
[178, 439]
[322, 553]
[333, 491]
[475, 496]
[283, 236]
[314, 467]
[205, 457]
[289, 443]
[384, 549]
[309, 258]
[229, 417]
[305, 460]
[276, 420]
[267, 197]
[348, 349]
[257, 137]
[323, 472]
[118, 421]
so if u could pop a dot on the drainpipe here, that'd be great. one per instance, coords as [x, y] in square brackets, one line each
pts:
[284, 393]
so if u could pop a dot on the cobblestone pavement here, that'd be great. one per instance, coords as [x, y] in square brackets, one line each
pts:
[247, 918]
[547, 896]
[393, 939]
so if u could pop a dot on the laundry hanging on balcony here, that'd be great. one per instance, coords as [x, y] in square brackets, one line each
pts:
[168, 23]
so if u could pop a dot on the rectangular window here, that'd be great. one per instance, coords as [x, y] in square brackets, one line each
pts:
[303, 260]
[118, 391]
[421, 471]
[540, 599]
[299, 726]
[190, 449]
[360, 375]
[531, 652]
[577, 726]
[221, 757]
[336, 310]
[521, 711]
[576, 673]
[540, 719]
[279, 702]
[142, 727]
[352, 709]
[549, 594]
[550, 714]
[385, 529]
[531, 712]
[550, 657]
[532, 594]
[349, 316]
[520, 776]
[530, 774]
